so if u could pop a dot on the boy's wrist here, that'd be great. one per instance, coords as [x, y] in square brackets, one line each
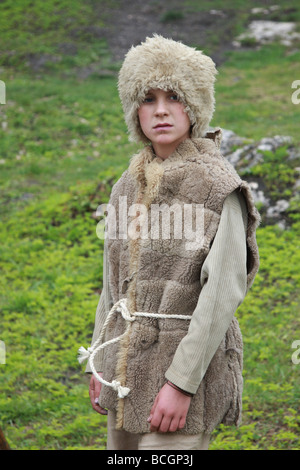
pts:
[188, 394]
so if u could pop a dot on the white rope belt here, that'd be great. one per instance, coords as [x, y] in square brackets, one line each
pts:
[90, 353]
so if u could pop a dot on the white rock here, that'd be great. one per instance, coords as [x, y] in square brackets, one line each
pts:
[267, 31]
[258, 194]
[234, 157]
[256, 11]
[281, 206]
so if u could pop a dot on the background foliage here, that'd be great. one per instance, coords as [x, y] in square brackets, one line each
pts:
[63, 143]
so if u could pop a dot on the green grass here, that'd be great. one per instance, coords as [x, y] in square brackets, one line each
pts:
[62, 147]
[62, 34]
[290, 10]
[269, 320]
[254, 97]
[58, 134]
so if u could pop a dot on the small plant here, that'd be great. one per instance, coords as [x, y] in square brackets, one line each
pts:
[171, 15]
[248, 41]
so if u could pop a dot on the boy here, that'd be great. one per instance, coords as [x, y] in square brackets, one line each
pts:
[171, 360]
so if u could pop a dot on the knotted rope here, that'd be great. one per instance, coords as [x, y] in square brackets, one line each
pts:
[90, 353]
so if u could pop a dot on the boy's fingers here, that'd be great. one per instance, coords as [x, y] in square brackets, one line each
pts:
[174, 425]
[98, 408]
[152, 411]
[155, 423]
[164, 424]
[94, 392]
[156, 418]
[182, 422]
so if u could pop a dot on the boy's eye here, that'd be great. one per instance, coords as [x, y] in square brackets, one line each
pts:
[148, 99]
[151, 99]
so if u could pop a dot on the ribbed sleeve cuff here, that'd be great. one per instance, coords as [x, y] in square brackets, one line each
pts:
[181, 382]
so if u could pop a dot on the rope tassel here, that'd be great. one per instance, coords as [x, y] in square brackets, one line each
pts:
[122, 391]
[90, 353]
[83, 354]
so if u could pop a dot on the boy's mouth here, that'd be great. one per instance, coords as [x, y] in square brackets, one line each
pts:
[162, 125]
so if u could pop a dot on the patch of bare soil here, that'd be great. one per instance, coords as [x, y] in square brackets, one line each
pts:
[134, 20]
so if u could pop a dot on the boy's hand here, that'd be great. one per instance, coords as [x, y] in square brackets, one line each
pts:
[168, 413]
[94, 391]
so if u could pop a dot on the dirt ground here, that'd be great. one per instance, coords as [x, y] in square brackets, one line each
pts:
[137, 19]
[126, 23]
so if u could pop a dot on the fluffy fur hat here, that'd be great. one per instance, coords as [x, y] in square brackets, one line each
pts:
[168, 65]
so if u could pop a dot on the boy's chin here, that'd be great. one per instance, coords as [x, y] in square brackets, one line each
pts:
[164, 140]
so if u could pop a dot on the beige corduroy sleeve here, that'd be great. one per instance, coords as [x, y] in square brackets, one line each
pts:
[224, 283]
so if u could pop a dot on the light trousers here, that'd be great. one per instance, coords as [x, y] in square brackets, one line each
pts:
[124, 440]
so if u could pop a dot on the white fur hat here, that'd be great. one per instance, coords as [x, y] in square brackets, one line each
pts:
[168, 65]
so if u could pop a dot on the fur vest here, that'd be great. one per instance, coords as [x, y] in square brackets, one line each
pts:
[162, 275]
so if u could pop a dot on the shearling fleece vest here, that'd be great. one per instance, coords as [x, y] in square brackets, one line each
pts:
[161, 274]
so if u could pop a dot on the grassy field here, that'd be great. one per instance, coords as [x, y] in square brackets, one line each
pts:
[63, 143]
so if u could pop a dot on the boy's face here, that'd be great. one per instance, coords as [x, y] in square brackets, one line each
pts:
[163, 121]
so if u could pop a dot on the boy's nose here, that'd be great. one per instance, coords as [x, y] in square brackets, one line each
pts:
[161, 108]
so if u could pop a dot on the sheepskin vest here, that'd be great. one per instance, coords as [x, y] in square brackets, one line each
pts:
[161, 274]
